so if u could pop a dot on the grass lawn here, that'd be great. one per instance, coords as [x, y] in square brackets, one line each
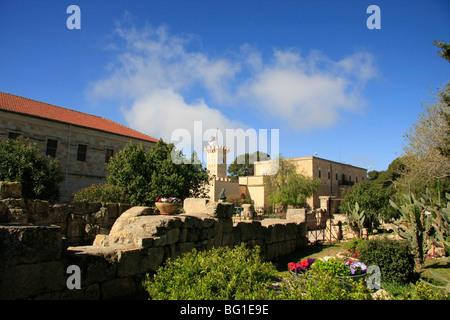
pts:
[437, 266]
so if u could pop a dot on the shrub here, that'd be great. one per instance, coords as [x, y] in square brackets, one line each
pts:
[323, 284]
[354, 246]
[216, 274]
[392, 256]
[101, 193]
[333, 266]
[39, 175]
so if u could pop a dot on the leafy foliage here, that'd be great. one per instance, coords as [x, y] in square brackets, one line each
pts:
[222, 273]
[101, 193]
[39, 175]
[244, 165]
[392, 256]
[427, 145]
[356, 219]
[322, 283]
[287, 187]
[372, 198]
[422, 221]
[146, 175]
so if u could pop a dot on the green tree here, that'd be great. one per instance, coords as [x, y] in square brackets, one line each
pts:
[445, 49]
[244, 164]
[146, 175]
[427, 147]
[373, 198]
[427, 144]
[39, 175]
[287, 187]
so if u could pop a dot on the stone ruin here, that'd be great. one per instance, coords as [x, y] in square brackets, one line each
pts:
[36, 248]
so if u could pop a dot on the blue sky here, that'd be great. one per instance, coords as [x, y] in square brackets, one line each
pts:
[311, 69]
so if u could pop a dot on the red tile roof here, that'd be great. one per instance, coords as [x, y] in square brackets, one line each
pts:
[44, 110]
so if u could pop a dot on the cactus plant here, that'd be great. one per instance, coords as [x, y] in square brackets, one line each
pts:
[356, 219]
[423, 220]
[417, 224]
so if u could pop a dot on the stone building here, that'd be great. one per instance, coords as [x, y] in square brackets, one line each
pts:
[82, 142]
[335, 178]
[216, 165]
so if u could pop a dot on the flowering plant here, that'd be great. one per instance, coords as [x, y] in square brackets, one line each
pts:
[353, 252]
[169, 200]
[356, 267]
[301, 266]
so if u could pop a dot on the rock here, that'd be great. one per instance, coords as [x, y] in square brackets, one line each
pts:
[221, 210]
[204, 207]
[381, 294]
[297, 214]
[23, 243]
[195, 206]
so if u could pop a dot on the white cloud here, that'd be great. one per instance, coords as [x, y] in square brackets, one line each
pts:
[309, 92]
[168, 86]
[163, 111]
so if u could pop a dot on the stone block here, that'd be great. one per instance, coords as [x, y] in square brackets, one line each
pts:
[220, 210]
[28, 280]
[10, 189]
[152, 259]
[22, 244]
[297, 214]
[195, 206]
[58, 213]
[275, 232]
[248, 230]
[118, 288]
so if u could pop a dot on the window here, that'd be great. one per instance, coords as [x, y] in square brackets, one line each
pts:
[320, 173]
[356, 179]
[329, 174]
[51, 148]
[13, 135]
[81, 155]
[337, 177]
[109, 153]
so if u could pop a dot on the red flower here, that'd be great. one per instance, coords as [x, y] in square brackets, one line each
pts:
[292, 266]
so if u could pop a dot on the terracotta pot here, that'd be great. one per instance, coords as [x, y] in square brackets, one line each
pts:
[167, 208]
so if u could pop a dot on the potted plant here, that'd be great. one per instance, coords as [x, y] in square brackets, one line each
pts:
[168, 206]
[358, 269]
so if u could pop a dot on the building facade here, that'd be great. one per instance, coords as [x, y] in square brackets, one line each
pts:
[83, 143]
[335, 177]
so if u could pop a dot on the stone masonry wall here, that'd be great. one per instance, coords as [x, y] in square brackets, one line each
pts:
[34, 261]
[80, 222]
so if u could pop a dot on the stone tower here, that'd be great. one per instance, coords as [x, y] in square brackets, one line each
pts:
[217, 160]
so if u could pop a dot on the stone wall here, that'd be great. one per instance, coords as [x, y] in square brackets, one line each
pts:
[80, 222]
[34, 261]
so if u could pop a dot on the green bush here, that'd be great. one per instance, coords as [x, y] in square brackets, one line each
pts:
[392, 256]
[39, 175]
[323, 284]
[333, 266]
[216, 274]
[101, 193]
